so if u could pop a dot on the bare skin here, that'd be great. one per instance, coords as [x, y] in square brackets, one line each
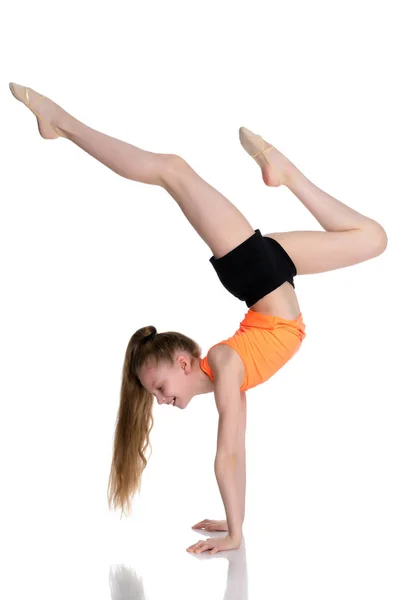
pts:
[348, 237]
[210, 525]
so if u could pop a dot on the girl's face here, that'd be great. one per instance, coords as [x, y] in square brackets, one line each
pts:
[168, 383]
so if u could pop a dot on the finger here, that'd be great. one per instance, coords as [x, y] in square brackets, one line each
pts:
[193, 547]
[200, 546]
[201, 523]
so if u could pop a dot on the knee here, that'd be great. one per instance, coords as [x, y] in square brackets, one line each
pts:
[378, 239]
[173, 166]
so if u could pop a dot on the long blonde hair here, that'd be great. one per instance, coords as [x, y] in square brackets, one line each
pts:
[135, 420]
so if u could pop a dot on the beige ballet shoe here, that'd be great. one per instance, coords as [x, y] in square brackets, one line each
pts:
[255, 145]
[47, 131]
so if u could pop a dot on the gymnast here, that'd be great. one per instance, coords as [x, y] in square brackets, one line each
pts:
[257, 269]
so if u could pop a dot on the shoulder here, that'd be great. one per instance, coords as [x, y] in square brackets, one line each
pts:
[223, 360]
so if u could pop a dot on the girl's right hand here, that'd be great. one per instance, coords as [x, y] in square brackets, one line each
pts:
[209, 525]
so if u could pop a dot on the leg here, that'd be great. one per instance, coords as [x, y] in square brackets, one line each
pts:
[349, 237]
[218, 222]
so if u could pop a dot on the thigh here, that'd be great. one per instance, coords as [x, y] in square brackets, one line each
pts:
[218, 222]
[320, 251]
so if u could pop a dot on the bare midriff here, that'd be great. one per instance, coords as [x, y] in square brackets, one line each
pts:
[282, 302]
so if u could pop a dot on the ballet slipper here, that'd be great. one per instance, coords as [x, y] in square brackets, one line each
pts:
[47, 131]
[255, 145]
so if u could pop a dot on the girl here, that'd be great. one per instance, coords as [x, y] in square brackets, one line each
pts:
[257, 269]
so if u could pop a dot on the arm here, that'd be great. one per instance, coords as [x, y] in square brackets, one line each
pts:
[241, 458]
[229, 465]
[241, 470]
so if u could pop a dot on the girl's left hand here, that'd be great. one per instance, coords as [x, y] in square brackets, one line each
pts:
[217, 544]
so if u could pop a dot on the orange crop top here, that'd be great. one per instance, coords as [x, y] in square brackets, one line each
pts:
[264, 343]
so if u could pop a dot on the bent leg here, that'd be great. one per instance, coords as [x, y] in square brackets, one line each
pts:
[349, 237]
[320, 251]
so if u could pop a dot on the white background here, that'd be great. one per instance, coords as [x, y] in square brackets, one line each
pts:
[88, 257]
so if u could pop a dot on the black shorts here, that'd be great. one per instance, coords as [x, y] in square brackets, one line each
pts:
[255, 268]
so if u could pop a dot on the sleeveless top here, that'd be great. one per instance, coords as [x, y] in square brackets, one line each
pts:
[264, 343]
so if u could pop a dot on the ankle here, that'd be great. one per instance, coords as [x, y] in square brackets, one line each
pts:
[292, 176]
[65, 124]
